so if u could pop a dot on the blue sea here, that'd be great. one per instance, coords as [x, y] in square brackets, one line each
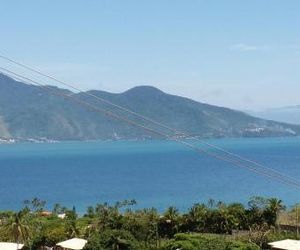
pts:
[154, 173]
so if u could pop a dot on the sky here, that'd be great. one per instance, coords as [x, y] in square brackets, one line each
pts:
[239, 54]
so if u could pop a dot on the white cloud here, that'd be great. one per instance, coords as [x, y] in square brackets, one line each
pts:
[250, 47]
[244, 47]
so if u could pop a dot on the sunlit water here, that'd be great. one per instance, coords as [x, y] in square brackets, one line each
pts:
[155, 173]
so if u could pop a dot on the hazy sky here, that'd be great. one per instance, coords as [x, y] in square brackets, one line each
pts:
[243, 54]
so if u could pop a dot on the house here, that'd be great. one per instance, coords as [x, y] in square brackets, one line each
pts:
[74, 244]
[10, 246]
[285, 245]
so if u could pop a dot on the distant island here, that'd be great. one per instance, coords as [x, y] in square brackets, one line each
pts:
[30, 113]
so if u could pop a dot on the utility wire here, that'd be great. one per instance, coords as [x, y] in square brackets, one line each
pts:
[197, 149]
[145, 118]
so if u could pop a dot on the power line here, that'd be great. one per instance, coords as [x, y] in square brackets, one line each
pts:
[197, 149]
[145, 118]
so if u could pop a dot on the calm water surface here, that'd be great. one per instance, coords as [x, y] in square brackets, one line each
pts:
[155, 173]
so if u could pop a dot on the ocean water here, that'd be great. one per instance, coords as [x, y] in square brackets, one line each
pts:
[154, 173]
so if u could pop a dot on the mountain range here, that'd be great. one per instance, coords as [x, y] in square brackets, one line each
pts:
[29, 112]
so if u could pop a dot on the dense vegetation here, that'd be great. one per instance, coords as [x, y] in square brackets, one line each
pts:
[28, 111]
[119, 226]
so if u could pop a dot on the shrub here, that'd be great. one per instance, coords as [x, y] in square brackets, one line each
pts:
[208, 242]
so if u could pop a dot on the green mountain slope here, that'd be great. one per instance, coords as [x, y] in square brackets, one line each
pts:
[28, 111]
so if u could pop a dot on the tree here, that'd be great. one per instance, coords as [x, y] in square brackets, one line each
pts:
[58, 209]
[238, 211]
[17, 225]
[108, 216]
[207, 242]
[258, 234]
[274, 206]
[195, 220]
[143, 225]
[255, 214]
[228, 221]
[71, 223]
[169, 223]
[35, 205]
[112, 240]
[52, 230]
[90, 212]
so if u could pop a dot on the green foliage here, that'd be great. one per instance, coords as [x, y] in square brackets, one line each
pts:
[58, 209]
[170, 222]
[118, 226]
[143, 224]
[31, 112]
[112, 240]
[198, 241]
[277, 236]
[72, 229]
[17, 226]
[35, 205]
[263, 210]
[51, 231]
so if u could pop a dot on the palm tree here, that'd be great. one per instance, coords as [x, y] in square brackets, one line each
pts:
[274, 207]
[196, 217]
[169, 222]
[211, 203]
[71, 223]
[17, 225]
